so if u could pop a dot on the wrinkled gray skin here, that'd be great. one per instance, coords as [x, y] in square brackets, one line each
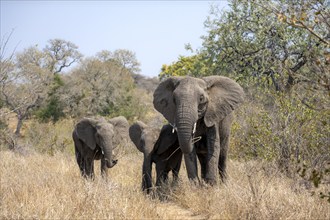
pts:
[95, 139]
[160, 147]
[206, 104]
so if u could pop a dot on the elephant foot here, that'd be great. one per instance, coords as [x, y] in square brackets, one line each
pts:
[147, 191]
[223, 176]
[211, 182]
[89, 178]
[195, 181]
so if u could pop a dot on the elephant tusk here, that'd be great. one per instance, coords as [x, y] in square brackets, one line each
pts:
[194, 130]
[174, 128]
[102, 151]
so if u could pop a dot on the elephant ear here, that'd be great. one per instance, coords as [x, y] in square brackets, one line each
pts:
[163, 98]
[120, 125]
[225, 95]
[85, 130]
[166, 139]
[135, 133]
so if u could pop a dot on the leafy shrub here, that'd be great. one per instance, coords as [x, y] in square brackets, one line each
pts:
[281, 129]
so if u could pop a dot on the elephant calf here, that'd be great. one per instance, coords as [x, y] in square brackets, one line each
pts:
[160, 147]
[94, 139]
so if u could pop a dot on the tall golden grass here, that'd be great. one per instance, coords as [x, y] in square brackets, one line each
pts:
[39, 186]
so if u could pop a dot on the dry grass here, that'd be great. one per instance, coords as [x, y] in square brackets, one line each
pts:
[50, 187]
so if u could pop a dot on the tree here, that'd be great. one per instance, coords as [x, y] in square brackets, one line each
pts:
[27, 82]
[124, 58]
[282, 44]
[59, 54]
[6, 62]
[191, 66]
[101, 85]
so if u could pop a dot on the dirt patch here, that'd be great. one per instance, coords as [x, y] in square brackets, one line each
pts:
[174, 211]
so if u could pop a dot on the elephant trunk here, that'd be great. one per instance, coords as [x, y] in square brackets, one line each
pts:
[185, 120]
[107, 152]
[184, 136]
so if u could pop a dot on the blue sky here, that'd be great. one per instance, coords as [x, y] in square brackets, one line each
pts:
[156, 31]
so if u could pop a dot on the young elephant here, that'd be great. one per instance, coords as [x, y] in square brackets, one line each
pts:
[95, 139]
[160, 147]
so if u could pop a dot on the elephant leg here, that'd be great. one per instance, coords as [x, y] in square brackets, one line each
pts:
[104, 168]
[81, 162]
[175, 171]
[222, 159]
[79, 157]
[201, 151]
[83, 168]
[162, 173]
[146, 174]
[213, 152]
[89, 168]
[203, 162]
[224, 133]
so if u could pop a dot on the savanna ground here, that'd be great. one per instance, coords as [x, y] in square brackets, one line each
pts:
[279, 161]
[47, 185]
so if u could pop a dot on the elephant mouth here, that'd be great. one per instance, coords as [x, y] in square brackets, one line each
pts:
[201, 109]
[111, 164]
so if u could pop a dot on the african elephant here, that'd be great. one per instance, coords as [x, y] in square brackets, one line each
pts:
[160, 147]
[200, 108]
[95, 139]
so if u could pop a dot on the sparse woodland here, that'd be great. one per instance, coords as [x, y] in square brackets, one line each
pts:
[279, 156]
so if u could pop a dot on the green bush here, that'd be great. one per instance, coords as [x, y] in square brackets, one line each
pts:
[272, 126]
[53, 109]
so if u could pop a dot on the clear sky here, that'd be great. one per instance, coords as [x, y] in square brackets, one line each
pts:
[156, 31]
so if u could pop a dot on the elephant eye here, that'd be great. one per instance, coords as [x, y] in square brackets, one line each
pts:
[201, 98]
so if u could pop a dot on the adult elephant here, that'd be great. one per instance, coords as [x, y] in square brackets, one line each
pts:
[200, 108]
[160, 147]
[95, 139]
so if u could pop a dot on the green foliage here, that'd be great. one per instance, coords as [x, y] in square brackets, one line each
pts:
[2, 103]
[253, 44]
[53, 109]
[254, 138]
[270, 126]
[191, 66]
[130, 106]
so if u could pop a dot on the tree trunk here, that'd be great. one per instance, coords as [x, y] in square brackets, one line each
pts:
[19, 125]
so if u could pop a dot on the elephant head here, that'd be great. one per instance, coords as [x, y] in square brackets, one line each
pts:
[148, 139]
[97, 133]
[184, 100]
